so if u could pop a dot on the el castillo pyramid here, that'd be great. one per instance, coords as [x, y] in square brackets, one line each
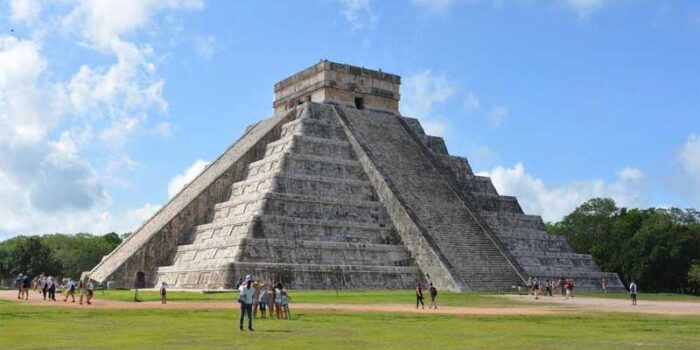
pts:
[338, 190]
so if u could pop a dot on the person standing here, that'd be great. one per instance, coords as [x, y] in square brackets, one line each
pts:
[270, 301]
[256, 298]
[70, 290]
[433, 295]
[536, 288]
[548, 287]
[52, 289]
[26, 285]
[44, 284]
[245, 298]
[604, 285]
[419, 295]
[285, 305]
[633, 292]
[163, 292]
[90, 290]
[562, 286]
[278, 300]
[262, 300]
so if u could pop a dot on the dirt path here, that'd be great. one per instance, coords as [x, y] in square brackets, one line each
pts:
[616, 305]
[554, 305]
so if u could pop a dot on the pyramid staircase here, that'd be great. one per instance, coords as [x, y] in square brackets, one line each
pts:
[305, 214]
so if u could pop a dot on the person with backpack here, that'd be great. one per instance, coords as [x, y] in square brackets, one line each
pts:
[419, 295]
[52, 289]
[433, 295]
[26, 284]
[163, 292]
[633, 292]
[70, 290]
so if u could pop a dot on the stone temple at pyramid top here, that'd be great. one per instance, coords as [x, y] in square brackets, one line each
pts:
[330, 82]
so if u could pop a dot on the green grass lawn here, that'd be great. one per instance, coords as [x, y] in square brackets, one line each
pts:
[35, 327]
[642, 296]
[341, 297]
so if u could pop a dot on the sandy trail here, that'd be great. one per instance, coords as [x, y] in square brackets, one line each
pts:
[616, 305]
[553, 305]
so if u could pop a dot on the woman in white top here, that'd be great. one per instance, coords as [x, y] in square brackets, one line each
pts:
[246, 299]
[278, 300]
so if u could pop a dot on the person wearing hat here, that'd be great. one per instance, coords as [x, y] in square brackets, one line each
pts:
[245, 298]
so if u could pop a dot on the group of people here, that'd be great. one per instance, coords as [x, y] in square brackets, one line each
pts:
[561, 286]
[419, 296]
[272, 301]
[48, 285]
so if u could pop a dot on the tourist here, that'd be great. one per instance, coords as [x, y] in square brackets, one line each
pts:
[571, 286]
[604, 285]
[633, 292]
[245, 298]
[26, 284]
[70, 290]
[548, 287]
[81, 287]
[90, 290]
[256, 298]
[270, 301]
[536, 288]
[44, 284]
[285, 305]
[433, 295]
[52, 289]
[163, 292]
[567, 286]
[562, 286]
[18, 285]
[419, 295]
[278, 300]
[262, 300]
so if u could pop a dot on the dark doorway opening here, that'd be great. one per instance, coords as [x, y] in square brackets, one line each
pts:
[140, 280]
[359, 103]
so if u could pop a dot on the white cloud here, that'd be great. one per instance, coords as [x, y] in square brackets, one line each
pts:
[359, 14]
[421, 93]
[553, 202]
[163, 129]
[46, 182]
[497, 115]
[688, 158]
[178, 182]
[585, 8]
[24, 10]
[472, 104]
[206, 46]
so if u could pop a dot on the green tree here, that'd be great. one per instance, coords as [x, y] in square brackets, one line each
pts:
[583, 226]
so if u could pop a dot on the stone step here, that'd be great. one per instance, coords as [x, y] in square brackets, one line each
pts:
[286, 227]
[313, 127]
[295, 276]
[302, 164]
[524, 246]
[322, 147]
[502, 221]
[490, 202]
[305, 185]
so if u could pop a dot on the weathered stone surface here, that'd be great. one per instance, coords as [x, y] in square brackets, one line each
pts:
[339, 191]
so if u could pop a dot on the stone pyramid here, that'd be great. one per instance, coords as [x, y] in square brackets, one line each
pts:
[339, 191]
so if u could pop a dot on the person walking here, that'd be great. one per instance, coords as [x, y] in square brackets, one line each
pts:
[18, 285]
[433, 295]
[548, 285]
[604, 285]
[44, 285]
[70, 290]
[633, 292]
[536, 288]
[419, 295]
[90, 290]
[245, 298]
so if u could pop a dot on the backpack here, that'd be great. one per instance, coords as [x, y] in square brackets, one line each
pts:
[433, 291]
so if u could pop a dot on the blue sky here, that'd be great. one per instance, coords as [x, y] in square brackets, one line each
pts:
[109, 107]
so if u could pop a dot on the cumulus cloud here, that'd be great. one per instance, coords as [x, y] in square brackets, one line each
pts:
[421, 93]
[359, 14]
[553, 202]
[178, 182]
[688, 159]
[46, 182]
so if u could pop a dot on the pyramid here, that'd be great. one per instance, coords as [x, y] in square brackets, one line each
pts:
[338, 190]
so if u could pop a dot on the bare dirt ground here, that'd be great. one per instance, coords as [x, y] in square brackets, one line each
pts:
[616, 305]
[553, 305]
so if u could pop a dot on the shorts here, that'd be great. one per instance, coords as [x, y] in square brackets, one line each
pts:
[633, 295]
[89, 293]
[262, 305]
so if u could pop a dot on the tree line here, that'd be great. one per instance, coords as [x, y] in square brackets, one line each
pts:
[59, 255]
[659, 248]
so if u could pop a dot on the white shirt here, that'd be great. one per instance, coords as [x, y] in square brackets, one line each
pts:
[247, 293]
[633, 288]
